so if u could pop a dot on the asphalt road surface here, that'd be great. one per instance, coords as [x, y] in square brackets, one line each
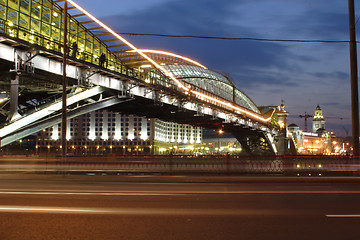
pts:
[178, 207]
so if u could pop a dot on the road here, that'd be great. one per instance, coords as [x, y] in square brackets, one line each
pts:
[177, 207]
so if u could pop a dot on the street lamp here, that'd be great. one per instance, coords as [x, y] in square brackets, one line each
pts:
[354, 79]
[64, 83]
[220, 133]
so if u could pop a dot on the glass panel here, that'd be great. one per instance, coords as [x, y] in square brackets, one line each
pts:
[35, 25]
[72, 37]
[12, 16]
[73, 31]
[55, 33]
[46, 12]
[89, 41]
[13, 3]
[2, 27]
[2, 12]
[56, 18]
[81, 33]
[88, 36]
[24, 21]
[96, 52]
[25, 6]
[45, 30]
[35, 10]
[81, 42]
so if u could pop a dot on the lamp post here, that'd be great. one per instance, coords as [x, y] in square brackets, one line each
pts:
[220, 134]
[64, 83]
[354, 80]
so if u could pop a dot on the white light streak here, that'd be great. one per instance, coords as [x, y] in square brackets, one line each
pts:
[172, 55]
[128, 43]
[344, 216]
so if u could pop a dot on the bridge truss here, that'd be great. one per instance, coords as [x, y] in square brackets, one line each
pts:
[142, 81]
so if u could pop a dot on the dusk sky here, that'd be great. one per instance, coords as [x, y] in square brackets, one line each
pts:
[302, 74]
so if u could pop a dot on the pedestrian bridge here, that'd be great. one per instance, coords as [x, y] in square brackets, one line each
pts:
[104, 70]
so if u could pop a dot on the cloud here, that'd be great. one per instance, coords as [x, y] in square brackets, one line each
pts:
[301, 73]
[324, 25]
[332, 75]
[330, 104]
[245, 61]
[251, 79]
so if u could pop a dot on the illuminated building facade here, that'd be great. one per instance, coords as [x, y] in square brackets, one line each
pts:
[220, 142]
[318, 121]
[104, 131]
[316, 142]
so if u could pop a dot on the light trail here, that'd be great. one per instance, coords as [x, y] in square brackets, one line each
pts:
[344, 216]
[127, 43]
[178, 192]
[172, 55]
[167, 73]
[89, 193]
[228, 104]
[145, 211]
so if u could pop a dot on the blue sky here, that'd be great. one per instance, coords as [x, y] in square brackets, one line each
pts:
[302, 74]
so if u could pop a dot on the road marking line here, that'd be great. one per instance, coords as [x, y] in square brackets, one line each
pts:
[344, 216]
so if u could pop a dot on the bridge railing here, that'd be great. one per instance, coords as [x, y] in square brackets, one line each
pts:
[179, 164]
[32, 37]
[113, 64]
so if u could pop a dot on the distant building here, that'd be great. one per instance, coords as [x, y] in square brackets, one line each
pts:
[316, 142]
[318, 121]
[104, 131]
[220, 142]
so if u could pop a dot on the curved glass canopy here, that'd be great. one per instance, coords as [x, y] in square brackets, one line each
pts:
[212, 82]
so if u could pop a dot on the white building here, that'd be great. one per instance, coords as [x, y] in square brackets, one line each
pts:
[110, 132]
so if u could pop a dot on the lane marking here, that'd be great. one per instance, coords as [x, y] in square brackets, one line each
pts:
[343, 216]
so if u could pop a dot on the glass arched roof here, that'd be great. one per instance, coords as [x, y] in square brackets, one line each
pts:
[211, 81]
[192, 72]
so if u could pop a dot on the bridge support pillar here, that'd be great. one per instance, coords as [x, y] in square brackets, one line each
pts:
[14, 98]
[254, 143]
[283, 141]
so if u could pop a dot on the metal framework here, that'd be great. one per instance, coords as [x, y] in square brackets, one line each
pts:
[40, 23]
